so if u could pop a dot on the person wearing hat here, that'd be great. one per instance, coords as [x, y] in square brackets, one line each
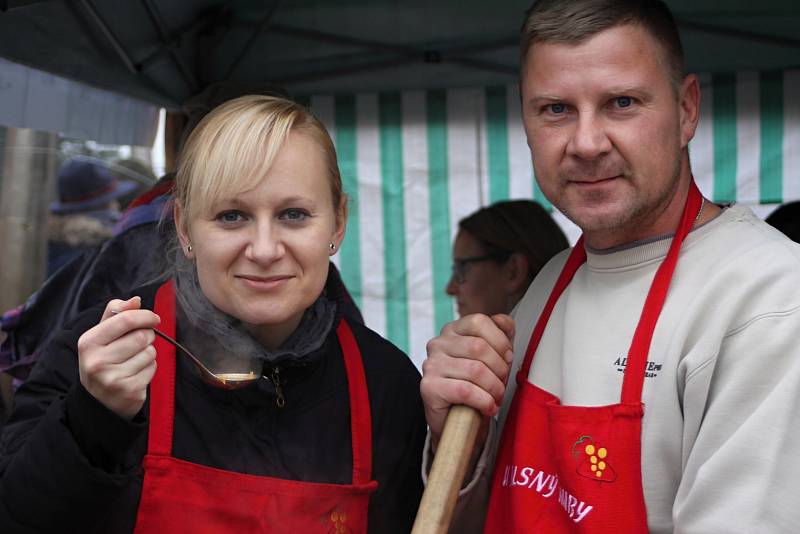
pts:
[85, 212]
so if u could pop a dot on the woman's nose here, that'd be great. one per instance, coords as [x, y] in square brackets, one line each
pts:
[265, 244]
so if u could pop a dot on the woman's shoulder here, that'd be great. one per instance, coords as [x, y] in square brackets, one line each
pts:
[380, 355]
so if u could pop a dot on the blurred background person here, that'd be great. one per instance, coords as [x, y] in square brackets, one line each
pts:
[498, 251]
[85, 212]
[787, 219]
[136, 171]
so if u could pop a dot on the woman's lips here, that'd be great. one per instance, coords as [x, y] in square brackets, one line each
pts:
[264, 283]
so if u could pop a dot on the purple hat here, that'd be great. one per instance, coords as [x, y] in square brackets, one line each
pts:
[86, 186]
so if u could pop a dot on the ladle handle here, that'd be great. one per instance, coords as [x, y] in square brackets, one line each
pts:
[174, 342]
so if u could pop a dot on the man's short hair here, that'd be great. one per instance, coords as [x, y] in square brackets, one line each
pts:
[575, 21]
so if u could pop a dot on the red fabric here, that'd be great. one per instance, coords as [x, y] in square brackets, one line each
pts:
[163, 188]
[179, 496]
[576, 468]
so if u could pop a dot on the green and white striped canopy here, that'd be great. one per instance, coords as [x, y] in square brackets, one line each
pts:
[414, 163]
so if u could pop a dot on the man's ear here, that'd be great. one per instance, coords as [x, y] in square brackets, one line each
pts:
[689, 101]
[516, 273]
[183, 237]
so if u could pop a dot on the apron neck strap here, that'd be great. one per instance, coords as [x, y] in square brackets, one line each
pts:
[576, 258]
[360, 413]
[162, 405]
[640, 346]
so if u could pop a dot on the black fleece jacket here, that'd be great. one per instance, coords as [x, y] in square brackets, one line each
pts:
[68, 464]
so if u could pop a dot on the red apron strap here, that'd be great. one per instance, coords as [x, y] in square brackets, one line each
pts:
[576, 258]
[640, 346]
[162, 388]
[360, 415]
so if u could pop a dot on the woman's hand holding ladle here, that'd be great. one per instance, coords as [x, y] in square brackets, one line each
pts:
[116, 357]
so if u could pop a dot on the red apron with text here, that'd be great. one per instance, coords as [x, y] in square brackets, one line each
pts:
[578, 468]
[179, 496]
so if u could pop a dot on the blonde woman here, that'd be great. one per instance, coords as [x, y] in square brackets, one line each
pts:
[117, 431]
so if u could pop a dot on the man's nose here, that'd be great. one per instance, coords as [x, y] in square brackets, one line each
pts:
[590, 138]
[265, 244]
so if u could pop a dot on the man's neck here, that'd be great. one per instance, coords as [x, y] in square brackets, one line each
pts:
[709, 212]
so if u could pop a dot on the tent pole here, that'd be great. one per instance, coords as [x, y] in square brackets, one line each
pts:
[173, 130]
[253, 38]
[158, 23]
[112, 39]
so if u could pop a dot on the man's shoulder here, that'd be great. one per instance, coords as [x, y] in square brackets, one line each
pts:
[742, 240]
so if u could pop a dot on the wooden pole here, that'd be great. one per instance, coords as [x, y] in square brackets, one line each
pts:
[447, 472]
[173, 130]
[28, 168]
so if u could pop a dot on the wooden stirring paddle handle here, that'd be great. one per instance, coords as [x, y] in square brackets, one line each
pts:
[447, 473]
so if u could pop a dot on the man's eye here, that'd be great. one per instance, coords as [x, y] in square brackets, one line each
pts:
[294, 214]
[623, 101]
[556, 108]
[230, 216]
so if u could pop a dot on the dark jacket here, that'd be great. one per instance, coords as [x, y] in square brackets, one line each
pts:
[67, 464]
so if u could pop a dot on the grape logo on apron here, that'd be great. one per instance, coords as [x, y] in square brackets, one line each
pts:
[593, 460]
[339, 519]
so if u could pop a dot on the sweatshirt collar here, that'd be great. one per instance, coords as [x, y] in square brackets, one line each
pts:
[645, 251]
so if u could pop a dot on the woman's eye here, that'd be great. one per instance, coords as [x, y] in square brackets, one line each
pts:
[623, 101]
[230, 216]
[294, 214]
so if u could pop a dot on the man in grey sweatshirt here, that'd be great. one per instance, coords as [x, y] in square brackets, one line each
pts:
[660, 390]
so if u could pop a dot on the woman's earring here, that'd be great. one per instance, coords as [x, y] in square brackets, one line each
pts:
[188, 248]
[332, 246]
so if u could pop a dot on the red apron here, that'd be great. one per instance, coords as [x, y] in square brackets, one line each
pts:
[578, 468]
[179, 496]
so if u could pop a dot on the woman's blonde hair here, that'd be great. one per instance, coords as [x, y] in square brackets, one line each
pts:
[234, 146]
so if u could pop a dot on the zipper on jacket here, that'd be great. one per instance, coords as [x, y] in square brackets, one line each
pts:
[275, 378]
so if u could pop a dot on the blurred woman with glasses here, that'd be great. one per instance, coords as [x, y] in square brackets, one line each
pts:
[498, 251]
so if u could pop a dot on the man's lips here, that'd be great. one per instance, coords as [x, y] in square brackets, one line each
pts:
[594, 181]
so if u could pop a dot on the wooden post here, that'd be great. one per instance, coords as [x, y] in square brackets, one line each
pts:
[28, 168]
[450, 464]
[173, 130]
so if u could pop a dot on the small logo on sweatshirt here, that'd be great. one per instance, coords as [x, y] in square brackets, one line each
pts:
[651, 369]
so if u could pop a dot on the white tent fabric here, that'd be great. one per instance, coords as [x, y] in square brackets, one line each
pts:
[31, 98]
[416, 162]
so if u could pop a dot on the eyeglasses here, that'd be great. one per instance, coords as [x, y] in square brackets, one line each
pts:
[459, 269]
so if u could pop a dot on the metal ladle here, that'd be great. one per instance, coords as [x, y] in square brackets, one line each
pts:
[220, 380]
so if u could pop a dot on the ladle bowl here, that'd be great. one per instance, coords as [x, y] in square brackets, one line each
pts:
[220, 380]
